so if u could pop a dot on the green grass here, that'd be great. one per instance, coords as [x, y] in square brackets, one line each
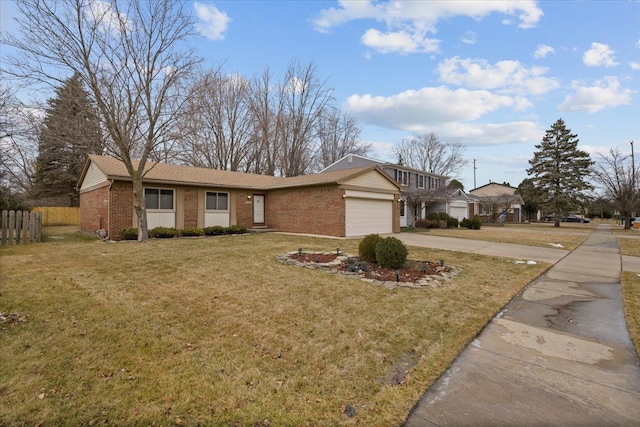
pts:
[631, 297]
[214, 331]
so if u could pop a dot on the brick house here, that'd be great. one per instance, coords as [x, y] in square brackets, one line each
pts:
[495, 202]
[428, 188]
[343, 203]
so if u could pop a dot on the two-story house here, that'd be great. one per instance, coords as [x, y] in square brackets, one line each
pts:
[422, 192]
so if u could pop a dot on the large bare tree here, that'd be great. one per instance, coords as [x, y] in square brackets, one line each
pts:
[428, 153]
[338, 135]
[615, 174]
[130, 54]
[218, 132]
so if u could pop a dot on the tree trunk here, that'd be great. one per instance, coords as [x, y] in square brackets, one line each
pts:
[140, 208]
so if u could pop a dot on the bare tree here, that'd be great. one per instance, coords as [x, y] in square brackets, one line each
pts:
[304, 98]
[19, 127]
[218, 132]
[615, 173]
[267, 110]
[130, 54]
[498, 206]
[428, 153]
[338, 135]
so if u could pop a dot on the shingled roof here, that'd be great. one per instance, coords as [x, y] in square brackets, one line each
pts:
[166, 173]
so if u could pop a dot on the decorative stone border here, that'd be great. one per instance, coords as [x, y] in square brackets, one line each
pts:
[432, 281]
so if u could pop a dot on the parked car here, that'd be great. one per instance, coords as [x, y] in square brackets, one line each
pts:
[577, 218]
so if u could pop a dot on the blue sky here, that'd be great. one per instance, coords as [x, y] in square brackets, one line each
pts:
[493, 75]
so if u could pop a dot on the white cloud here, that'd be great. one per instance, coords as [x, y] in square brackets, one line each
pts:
[421, 110]
[213, 23]
[108, 19]
[543, 51]
[599, 55]
[506, 76]
[399, 42]
[469, 38]
[407, 22]
[635, 65]
[605, 93]
[486, 134]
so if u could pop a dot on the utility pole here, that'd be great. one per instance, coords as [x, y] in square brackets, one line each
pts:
[633, 174]
[474, 169]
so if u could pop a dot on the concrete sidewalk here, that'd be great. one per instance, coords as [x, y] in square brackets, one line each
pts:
[559, 354]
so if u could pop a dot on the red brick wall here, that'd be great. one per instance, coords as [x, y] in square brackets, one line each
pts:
[94, 205]
[190, 207]
[244, 210]
[122, 215]
[317, 210]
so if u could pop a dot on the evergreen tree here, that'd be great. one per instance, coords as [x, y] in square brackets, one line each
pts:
[559, 170]
[532, 197]
[70, 132]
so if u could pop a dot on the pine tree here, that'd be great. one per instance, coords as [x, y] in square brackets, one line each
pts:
[70, 132]
[559, 170]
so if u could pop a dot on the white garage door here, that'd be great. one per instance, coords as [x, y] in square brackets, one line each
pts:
[367, 216]
[459, 212]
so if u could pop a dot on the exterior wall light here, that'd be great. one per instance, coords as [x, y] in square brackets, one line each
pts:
[344, 196]
[249, 197]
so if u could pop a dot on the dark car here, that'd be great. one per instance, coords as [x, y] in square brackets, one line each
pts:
[577, 218]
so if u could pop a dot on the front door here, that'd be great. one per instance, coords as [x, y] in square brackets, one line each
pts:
[258, 209]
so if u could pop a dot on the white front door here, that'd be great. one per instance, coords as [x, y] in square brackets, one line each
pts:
[258, 208]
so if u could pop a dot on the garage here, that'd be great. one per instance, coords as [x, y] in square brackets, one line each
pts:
[368, 213]
[458, 209]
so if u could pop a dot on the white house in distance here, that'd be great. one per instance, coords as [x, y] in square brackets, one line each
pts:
[495, 202]
[452, 201]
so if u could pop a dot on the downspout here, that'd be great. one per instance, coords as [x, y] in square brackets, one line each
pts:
[109, 211]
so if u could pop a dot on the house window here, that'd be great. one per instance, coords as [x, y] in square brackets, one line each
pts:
[217, 201]
[402, 177]
[158, 199]
[402, 208]
[420, 181]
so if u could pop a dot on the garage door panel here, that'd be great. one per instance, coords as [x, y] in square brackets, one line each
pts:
[366, 216]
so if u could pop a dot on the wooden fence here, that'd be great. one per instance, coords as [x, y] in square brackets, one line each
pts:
[21, 227]
[59, 215]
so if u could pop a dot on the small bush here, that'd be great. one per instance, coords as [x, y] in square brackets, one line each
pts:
[444, 216]
[128, 234]
[236, 229]
[434, 216]
[391, 253]
[215, 230]
[427, 223]
[367, 247]
[163, 232]
[452, 222]
[192, 232]
[474, 223]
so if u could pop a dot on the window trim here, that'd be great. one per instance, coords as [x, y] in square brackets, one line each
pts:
[160, 189]
[206, 194]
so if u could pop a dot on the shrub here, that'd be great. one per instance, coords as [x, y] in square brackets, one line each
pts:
[444, 216]
[391, 253]
[474, 223]
[367, 247]
[434, 216]
[163, 232]
[215, 230]
[128, 234]
[236, 229]
[452, 222]
[192, 232]
[427, 223]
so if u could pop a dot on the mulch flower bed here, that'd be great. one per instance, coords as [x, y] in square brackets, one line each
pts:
[411, 272]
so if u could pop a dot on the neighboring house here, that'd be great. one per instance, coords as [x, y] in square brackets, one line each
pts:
[495, 202]
[423, 192]
[348, 203]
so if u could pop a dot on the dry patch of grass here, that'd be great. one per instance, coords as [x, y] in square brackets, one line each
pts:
[631, 297]
[570, 236]
[629, 243]
[214, 331]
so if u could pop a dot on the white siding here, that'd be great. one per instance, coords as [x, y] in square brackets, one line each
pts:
[93, 177]
[216, 218]
[161, 219]
[373, 180]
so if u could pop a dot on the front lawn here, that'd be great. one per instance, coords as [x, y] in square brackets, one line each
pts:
[569, 235]
[214, 331]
